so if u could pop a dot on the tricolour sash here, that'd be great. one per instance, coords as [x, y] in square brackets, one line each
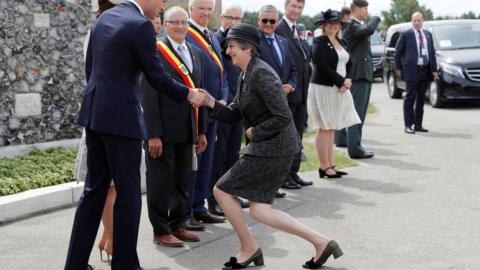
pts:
[180, 68]
[206, 46]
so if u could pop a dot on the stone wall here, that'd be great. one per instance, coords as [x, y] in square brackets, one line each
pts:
[41, 68]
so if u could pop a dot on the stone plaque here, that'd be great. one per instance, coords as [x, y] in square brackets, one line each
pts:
[28, 104]
[41, 20]
[94, 5]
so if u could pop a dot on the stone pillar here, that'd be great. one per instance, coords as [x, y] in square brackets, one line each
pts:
[41, 68]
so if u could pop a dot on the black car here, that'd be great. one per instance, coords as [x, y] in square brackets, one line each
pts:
[457, 48]
[378, 51]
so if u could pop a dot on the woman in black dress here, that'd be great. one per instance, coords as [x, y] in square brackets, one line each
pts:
[265, 161]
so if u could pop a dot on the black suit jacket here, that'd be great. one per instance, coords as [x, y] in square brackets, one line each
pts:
[325, 60]
[287, 71]
[304, 70]
[164, 118]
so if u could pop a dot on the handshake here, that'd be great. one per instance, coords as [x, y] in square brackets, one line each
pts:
[200, 97]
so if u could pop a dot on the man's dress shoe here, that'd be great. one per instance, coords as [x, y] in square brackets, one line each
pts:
[167, 240]
[215, 209]
[208, 217]
[409, 130]
[366, 154]
[279, 194]
[184, 235]
[192, 224]
[90, 267]
[244, 203]
[301, 182]
[290, 184]
[421, 129]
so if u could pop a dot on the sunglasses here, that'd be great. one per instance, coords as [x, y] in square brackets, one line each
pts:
[271, 21]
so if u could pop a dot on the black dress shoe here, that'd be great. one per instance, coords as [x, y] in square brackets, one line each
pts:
[279, 194]
[332, 248]
[207, 217]
[244, 203]
[300, 181]
[256, 258]
[90, 267]
[366, 154]
[421, 129]
[334, 167]
[290, 184]
[216, 210]
[409, 130]
[323, 173]
[192, 224]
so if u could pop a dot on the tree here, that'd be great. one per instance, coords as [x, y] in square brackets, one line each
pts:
[402, 10]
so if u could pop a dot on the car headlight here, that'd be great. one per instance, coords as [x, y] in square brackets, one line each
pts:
[452, 70]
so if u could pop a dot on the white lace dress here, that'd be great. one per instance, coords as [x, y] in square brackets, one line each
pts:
[328, 108]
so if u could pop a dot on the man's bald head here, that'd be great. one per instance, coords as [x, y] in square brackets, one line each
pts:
[417, 20]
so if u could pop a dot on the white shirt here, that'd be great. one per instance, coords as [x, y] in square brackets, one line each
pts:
[201, 28]
[186, 51]
[138, 6]
[290, 24]
[425, 45]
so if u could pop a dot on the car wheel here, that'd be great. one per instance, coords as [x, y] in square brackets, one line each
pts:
[393, 91]
[434, 95]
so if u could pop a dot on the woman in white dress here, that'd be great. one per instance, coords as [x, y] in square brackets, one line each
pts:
[330, 103]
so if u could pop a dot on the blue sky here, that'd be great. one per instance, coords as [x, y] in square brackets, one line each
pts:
[312, 7]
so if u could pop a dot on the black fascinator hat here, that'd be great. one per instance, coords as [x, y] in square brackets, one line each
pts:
[329, 16]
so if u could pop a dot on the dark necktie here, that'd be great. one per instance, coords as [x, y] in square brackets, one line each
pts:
[421, 44]
[182, 53]
[207, 34]
[297, 40]
[276, 57]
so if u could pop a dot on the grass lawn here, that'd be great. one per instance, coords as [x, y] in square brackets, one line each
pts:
[312, 164]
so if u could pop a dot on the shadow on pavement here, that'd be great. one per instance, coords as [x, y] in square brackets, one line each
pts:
[399, 164]
[441, 135]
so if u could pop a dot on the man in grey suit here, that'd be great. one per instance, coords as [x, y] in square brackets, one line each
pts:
[357, 34]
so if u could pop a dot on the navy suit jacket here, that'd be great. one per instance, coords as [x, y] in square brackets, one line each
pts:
[121, 47]
[215, 81]
[287, 71]
[232, 71]
[406, 55]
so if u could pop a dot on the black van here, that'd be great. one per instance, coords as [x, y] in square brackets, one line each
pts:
[457, 47]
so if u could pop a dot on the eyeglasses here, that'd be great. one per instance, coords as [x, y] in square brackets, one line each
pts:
[230, 18]
[271, 21]
[177, 23]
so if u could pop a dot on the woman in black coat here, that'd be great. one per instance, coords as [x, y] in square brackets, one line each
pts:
[266, 160]
[330, 103]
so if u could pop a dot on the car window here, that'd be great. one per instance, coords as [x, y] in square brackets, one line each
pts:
[393, 41]
[457, 36]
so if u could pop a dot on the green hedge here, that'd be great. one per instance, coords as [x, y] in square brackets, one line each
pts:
[39, 168]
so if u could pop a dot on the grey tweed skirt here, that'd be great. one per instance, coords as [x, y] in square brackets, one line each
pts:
[256, 178]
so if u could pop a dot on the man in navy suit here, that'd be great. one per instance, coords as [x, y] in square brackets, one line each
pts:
[121, 46]
[297, 99]
[215, 83]
[274, 51]
[415, 58]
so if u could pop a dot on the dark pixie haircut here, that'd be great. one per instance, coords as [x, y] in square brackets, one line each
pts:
[359, 3]
[345, 11]
[104, 5]
[300, 1]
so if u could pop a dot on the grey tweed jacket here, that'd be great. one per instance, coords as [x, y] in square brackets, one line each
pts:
[261, 102]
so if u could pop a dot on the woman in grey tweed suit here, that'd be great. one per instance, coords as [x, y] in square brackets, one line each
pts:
[266, 160]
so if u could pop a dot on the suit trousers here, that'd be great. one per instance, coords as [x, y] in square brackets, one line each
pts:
[415, 99]
[199, 187]
[109, 157]
[167, 187]
[352, 136]
[299, 114]
[227, 147]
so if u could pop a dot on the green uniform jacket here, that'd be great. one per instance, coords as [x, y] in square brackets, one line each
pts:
[357, 36]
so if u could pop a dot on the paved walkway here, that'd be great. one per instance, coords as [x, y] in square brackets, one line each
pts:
[414, 206]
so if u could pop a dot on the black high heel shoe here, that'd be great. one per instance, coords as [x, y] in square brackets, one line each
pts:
[332, 248]
[256, 258]
[338, 171]
[323, 173]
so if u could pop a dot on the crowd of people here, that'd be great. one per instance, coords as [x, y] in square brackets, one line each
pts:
[189, 98]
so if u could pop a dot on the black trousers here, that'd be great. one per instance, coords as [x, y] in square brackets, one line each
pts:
[167, 187]
[299, 114]
[227, 147]
[415, 98]
[108, 157]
